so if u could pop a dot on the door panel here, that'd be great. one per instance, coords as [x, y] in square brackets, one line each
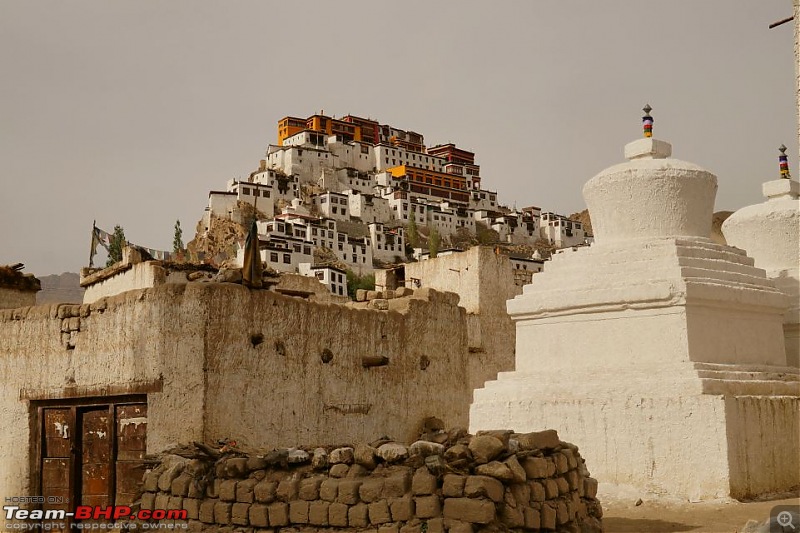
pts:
[57, 446]
[95, 456]
[58, 431]
[131, 449]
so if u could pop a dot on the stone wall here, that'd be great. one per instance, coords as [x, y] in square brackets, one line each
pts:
[226, 361]
[449, 482]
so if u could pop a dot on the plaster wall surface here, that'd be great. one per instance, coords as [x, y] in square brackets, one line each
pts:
[484, 281]
[282, 392]
[11, 298]
[696, 446]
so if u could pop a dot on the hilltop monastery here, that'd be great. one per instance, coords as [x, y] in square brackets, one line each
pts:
[353, 185]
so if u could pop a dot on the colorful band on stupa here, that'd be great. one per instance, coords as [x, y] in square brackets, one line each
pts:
[647, 121]
[783, 161]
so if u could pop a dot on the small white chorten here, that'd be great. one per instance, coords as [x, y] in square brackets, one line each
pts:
[657, 351]
[770, 233]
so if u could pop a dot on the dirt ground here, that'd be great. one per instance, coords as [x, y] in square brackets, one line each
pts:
[623, 516]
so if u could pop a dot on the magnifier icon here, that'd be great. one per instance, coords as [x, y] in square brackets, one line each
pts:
[785, 519]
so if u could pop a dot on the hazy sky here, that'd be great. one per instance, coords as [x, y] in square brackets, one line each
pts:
[130, 112]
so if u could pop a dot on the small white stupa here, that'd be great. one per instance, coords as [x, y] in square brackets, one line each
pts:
[657, 351]
[770, 233]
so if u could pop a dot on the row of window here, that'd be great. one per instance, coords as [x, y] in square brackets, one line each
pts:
[334, 200]
[247, 192]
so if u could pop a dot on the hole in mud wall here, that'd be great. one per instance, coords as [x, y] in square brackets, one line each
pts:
[280, 348]
[424, 362]
[256, 339]
[327, 356]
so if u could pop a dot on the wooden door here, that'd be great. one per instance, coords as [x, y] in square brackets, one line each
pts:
[58, 450]
[92, 454]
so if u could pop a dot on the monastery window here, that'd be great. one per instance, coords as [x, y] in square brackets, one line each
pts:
[344, 211]
[330, 235]
[341, 247]
[273, 256]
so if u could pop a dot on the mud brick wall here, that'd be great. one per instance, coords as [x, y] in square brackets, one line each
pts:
[460, 484]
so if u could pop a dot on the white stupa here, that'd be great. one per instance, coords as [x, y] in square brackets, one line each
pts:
[770, 233]
[657, 351]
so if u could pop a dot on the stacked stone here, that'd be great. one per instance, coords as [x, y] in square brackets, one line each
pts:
[363, 295]
[71, 316]
[452, 482]
[398, 299]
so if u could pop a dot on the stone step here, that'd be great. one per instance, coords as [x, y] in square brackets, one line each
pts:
[738, 375]
[751, 387]
[728, 367]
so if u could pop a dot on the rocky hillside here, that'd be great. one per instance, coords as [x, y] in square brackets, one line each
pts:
[60, 288]
[584, 218]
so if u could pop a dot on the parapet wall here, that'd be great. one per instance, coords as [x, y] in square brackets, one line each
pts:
[11, 298]
[494, 481]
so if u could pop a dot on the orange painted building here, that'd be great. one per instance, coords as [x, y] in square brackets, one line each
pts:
[370, 129]
[430, 177]
[348, 131]
[352, 128]
[288, 126]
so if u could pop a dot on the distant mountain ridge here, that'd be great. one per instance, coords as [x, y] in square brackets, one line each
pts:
[60, 288]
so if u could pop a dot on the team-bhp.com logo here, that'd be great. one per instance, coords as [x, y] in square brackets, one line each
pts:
[15, 516]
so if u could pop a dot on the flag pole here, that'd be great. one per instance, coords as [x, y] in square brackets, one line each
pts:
[91, 246]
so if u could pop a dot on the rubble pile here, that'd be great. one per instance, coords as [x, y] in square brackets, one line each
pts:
[448, 481]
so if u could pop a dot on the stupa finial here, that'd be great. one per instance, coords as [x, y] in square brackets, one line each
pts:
[783, 162]
[647, 121]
